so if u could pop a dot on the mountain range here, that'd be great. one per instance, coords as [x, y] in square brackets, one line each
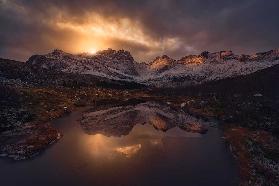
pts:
[163, 71]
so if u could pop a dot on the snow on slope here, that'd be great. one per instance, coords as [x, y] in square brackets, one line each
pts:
[194, 74]
[196, 69]
[163, 71]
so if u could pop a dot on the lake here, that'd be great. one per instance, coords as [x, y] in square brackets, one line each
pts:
[144, 144]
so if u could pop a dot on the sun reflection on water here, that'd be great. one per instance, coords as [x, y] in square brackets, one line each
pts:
[102, 147]
[129, 151]
[99, 145]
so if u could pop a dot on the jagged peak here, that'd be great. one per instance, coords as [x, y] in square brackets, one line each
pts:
[205, 54]
[58, 52]
[161, 63]
[108, 51]
[221, 54]
[192, 59]
[115, 54]
[226, 53]
[164, 59]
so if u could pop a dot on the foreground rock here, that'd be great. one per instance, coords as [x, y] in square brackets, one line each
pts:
[258, 155]
[28, 141]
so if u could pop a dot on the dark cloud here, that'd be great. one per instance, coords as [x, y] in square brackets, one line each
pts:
[197, 25]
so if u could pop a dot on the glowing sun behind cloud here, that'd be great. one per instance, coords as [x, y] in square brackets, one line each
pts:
[86, 32]
[95, 32]
[92, 50]
[98, 33]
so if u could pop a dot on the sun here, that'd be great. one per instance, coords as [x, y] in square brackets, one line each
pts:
[92, 50]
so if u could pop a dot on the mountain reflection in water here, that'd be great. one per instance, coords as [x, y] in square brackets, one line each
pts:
[118, 121]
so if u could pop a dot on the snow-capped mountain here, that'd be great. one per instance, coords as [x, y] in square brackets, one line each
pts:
[109, 63]
[197, 69]
[161, 72]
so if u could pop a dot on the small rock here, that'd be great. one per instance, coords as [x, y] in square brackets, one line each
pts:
[258, 95]
[183, 105]
[3, 155]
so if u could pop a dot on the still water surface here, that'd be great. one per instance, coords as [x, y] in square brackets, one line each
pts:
[145, 156]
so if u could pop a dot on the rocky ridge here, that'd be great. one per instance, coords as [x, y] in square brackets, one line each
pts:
[161, 72]
[108, 63]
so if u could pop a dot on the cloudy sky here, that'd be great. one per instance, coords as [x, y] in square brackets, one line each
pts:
[147, 28]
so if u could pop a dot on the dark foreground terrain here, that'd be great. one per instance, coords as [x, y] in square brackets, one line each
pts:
[246, 108]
